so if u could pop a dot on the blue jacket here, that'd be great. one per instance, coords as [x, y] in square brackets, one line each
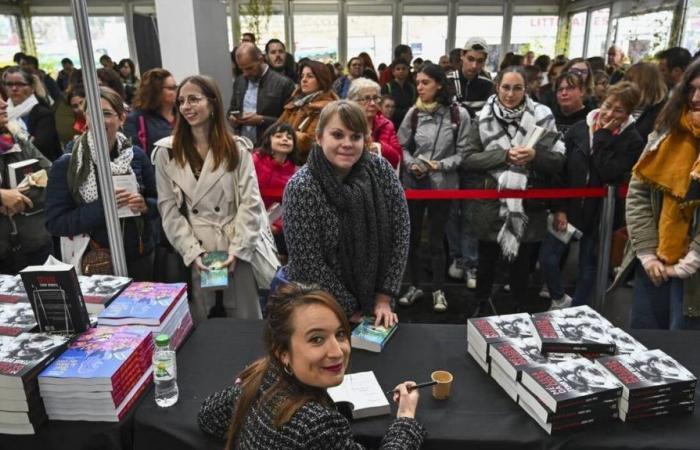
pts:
[64, 217]
[157, 127]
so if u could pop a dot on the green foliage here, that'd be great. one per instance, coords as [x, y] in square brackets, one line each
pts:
[259, 11]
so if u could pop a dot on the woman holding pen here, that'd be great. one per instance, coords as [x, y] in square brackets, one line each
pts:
[280, 400]
[433, 137]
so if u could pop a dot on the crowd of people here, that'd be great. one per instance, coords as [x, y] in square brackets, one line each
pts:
[344, 143]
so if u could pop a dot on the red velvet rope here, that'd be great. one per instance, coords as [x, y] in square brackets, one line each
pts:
[461, 194]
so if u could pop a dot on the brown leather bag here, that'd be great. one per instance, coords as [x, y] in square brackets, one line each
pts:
[96, 260]
[617, 250]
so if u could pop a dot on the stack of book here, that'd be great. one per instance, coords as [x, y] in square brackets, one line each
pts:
[161, 308]
[559, 333]
[99, 290]
[12, 289]
[653, 384]
[16, 318]
[483, 332]
[100, 376]
[22, 357]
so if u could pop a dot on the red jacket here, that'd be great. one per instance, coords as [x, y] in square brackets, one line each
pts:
[384, 133]
[272, 175]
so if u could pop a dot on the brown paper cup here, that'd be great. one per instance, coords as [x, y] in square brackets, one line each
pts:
[441, 390]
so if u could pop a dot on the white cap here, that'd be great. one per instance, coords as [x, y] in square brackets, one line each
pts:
[476, 42]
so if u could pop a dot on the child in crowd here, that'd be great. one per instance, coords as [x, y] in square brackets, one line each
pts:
[388, 106]
[275, 163]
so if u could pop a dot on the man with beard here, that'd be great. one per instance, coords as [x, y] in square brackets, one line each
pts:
[259, 94]
[279, 60]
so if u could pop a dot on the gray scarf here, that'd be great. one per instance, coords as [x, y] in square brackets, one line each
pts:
[364, 248]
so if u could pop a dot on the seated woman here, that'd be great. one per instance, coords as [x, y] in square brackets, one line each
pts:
[36, 114]
[275, 163]
[367, 94]
[345, 218]
[600, 150]
[662, 216]
[24, 240]
[302, 112]
[497, 158]
[208, 198]
[280, 400]
[73, 204]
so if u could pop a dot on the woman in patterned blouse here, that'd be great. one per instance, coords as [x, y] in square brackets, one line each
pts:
[280, 401]
[346, 220]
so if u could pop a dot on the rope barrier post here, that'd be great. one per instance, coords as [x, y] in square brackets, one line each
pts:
[104, 173]
[604, 247]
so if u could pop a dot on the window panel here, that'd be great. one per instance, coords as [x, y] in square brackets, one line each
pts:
[691, 29]
[577, 32]
[271, 27]
[534, 33]
[599, 32]
[9, 39]
[316, 37]
[371, 34]
[55, 39]
[640, 37]
[426, 35]
[488, 27]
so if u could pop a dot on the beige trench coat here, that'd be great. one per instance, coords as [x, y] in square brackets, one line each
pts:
[220, 204]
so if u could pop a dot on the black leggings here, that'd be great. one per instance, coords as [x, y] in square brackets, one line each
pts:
[438, 210]
[489, 254]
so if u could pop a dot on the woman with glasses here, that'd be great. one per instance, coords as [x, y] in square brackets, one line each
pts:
[599, 150]
[37, 116]
[73, 204]
[433, 136]
[498, 157]
[570, 106]
[303, 109]
[582, 68]
[662, 216]
[367, 94]
[153, 116]
[209, 199]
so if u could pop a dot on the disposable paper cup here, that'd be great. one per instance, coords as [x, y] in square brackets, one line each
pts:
[441, 390]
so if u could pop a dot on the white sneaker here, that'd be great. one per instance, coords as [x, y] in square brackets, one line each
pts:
[455, 271]
[506, 287]
[562, 303]
[439, 302]
[544, 292]
[410, 297]
[471, 278]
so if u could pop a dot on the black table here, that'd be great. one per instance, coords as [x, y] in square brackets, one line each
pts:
[477, 415]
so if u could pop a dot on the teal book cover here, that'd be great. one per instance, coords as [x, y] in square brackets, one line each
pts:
[217, 276]
[366, 336]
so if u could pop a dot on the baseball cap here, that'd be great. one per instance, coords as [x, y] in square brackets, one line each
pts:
[476, 42]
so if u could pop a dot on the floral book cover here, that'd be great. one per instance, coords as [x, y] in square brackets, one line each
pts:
[145, 300]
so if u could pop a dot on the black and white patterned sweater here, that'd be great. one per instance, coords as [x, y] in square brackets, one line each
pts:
[311, 231]
[312, 427]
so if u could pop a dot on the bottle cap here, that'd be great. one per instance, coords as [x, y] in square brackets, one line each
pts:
[162, 340]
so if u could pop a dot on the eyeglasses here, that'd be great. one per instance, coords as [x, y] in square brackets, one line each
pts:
[370, 98]
[579, 71]
[517, 89]
[192, 100]
[11, 84]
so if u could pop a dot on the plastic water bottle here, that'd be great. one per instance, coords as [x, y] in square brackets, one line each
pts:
[165, 372]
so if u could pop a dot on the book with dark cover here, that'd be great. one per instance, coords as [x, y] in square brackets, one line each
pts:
[658, 411]
[100, 290]
[18, 170]
[23, 357]
[563, 425]
[366, 336]
[16, 318]
[483, 363]
[578, 312]
[512, 355]
[55, 296]
[560, 334]
[483, 331]
[568, 383]
[624, 343]
[604, 409]
[668, 399]
[12, 289]
[509, 385]
[143, 303]
[647, 373]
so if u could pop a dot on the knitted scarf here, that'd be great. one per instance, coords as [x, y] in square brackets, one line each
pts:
[15, 112]
[502, 128]
[303, 99]
[81, 174]
[427, 107]
[675, 169]
[364, 242]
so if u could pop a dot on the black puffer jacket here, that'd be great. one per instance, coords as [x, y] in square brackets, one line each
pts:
[608, 161]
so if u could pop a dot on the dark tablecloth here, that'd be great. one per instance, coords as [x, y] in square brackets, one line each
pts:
[478, 415]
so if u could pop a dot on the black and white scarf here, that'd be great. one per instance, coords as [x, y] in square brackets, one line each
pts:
[502, 128]
[364, 248]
